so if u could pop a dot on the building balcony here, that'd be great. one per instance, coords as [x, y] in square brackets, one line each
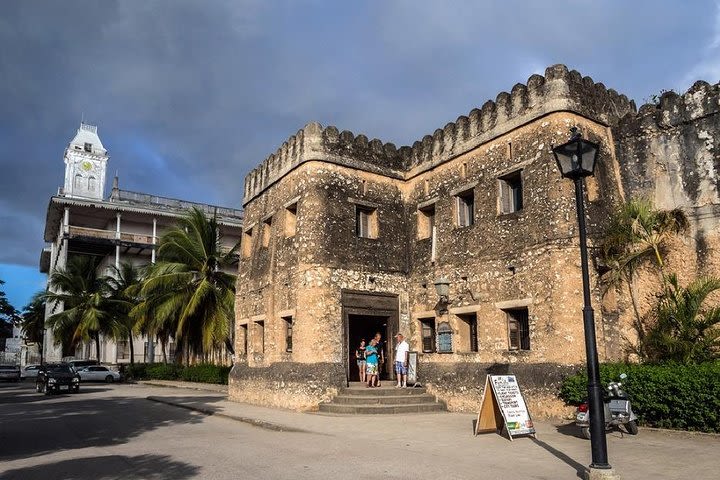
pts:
[121, 238]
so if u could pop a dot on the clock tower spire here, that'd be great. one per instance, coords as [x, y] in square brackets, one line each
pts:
[85, 165]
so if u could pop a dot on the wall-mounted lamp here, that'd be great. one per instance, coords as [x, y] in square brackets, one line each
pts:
[442, 288]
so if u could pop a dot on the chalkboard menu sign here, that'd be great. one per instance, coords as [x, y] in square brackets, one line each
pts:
[503, 408]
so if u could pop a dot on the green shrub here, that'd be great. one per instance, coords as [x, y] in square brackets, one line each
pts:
[668, 395]
[204, 373]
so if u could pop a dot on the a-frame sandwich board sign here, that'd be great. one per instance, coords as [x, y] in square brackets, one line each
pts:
[503, 408]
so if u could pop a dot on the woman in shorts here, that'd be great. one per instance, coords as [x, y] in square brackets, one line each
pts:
[360, 358]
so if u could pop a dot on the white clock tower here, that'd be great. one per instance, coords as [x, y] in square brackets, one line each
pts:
[85, 165]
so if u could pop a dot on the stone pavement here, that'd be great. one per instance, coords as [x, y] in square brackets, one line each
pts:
[446, 439]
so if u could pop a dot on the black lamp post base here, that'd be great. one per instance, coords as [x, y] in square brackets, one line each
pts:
[593, 473]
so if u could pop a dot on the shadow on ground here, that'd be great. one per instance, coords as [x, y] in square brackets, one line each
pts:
[109, 467]
[35, 424]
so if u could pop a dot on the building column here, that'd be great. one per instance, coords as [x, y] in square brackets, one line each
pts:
[154, 240]
[117, 237]
[151, 338]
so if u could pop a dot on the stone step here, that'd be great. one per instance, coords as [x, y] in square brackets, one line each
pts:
[391, 391]
[381, 409]
[383, 399]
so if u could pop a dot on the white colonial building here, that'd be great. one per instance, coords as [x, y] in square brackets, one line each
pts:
[123, 227]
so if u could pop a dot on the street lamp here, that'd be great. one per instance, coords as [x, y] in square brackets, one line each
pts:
[576, 160]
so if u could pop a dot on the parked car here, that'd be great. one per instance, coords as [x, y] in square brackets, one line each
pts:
[10, 373]
[30, 371]
[98, 373]
[80, 364]
[54, 377]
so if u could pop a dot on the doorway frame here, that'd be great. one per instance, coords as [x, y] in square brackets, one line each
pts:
[379, 304]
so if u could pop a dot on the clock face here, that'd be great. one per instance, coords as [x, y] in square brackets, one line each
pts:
[86, 166]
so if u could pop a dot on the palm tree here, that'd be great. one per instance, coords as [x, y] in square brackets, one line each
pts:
[124, 285]
[187, 290]
[683, 330]
[86, 309]
[32, 319]
[638, 234]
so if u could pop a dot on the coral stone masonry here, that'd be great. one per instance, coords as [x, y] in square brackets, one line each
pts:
[345, 237]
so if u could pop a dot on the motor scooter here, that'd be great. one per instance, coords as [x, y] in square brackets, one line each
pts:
[618, 411]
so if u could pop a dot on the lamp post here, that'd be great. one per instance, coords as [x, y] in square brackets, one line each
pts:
[576, 160]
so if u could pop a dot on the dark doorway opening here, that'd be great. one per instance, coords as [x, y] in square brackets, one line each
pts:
[365, 327]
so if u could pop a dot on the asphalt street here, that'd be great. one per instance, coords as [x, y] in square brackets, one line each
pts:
[114, 432]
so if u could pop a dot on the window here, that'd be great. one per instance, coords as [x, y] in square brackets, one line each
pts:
[290, 220]
[78, 182]
[244, 338]
[365, 221]
[427, 326]
[444, 338]
[171, 350]
[288, 323]
[467, 333]
[259, 337]
[91, 184]
[247, 243]
[518, 329]
[266, 232]
[88, 147]
[511, 197]
[465, 205]
[426, 221]
[123, 350]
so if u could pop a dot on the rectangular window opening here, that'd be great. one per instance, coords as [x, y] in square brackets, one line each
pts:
[426, 221]
[266, 232]
[290, 220]
[288, 322]
[511, 194]
[243, 332]
[259, 337]
[247, 243]
[518, 328]
[468, 333]
[365, 222]
[465, 206]
[427, 328]
[88, 147]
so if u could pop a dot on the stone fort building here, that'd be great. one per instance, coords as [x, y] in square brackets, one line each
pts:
[345, 236]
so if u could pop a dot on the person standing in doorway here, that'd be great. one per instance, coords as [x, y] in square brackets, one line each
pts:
[371, 365]
[360, 357]
[381, 356]
[401, 360]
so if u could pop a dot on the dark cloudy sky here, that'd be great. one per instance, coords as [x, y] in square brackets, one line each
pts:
[190, 95]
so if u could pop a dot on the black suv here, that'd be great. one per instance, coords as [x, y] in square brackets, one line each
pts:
[54, 377]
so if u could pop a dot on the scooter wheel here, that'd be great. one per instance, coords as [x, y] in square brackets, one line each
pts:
[585, 432]
[632, 427]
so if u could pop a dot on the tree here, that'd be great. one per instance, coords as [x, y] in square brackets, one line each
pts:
[32, 319]
[683, 329]
[123, 290]
[7, 311]
[86, 312]
[638, 235]
[187, 291]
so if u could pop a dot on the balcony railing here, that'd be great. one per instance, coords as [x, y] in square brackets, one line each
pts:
[110, 235]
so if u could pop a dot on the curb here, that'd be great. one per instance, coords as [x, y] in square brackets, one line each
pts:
[187, 387]
[275, 427]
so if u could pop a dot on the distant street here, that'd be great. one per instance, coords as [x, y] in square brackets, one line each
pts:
[113, 432]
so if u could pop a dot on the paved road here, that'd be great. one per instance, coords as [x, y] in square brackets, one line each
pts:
[114, 432]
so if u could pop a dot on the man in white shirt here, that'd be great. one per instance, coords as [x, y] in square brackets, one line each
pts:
[401, 360]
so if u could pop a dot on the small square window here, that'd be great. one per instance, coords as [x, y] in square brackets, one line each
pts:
[247, 243]
[290, 220]
[365, 221]
[426, 222]
[266, 232]
[427, 326]
[511, 194]
[88, 147]
[518, 328]
[465, 207]
[288, 323]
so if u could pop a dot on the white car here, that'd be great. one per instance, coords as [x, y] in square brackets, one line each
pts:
[30, 371]
[97, 373]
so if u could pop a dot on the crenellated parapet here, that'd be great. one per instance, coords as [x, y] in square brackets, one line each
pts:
[558, 90]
